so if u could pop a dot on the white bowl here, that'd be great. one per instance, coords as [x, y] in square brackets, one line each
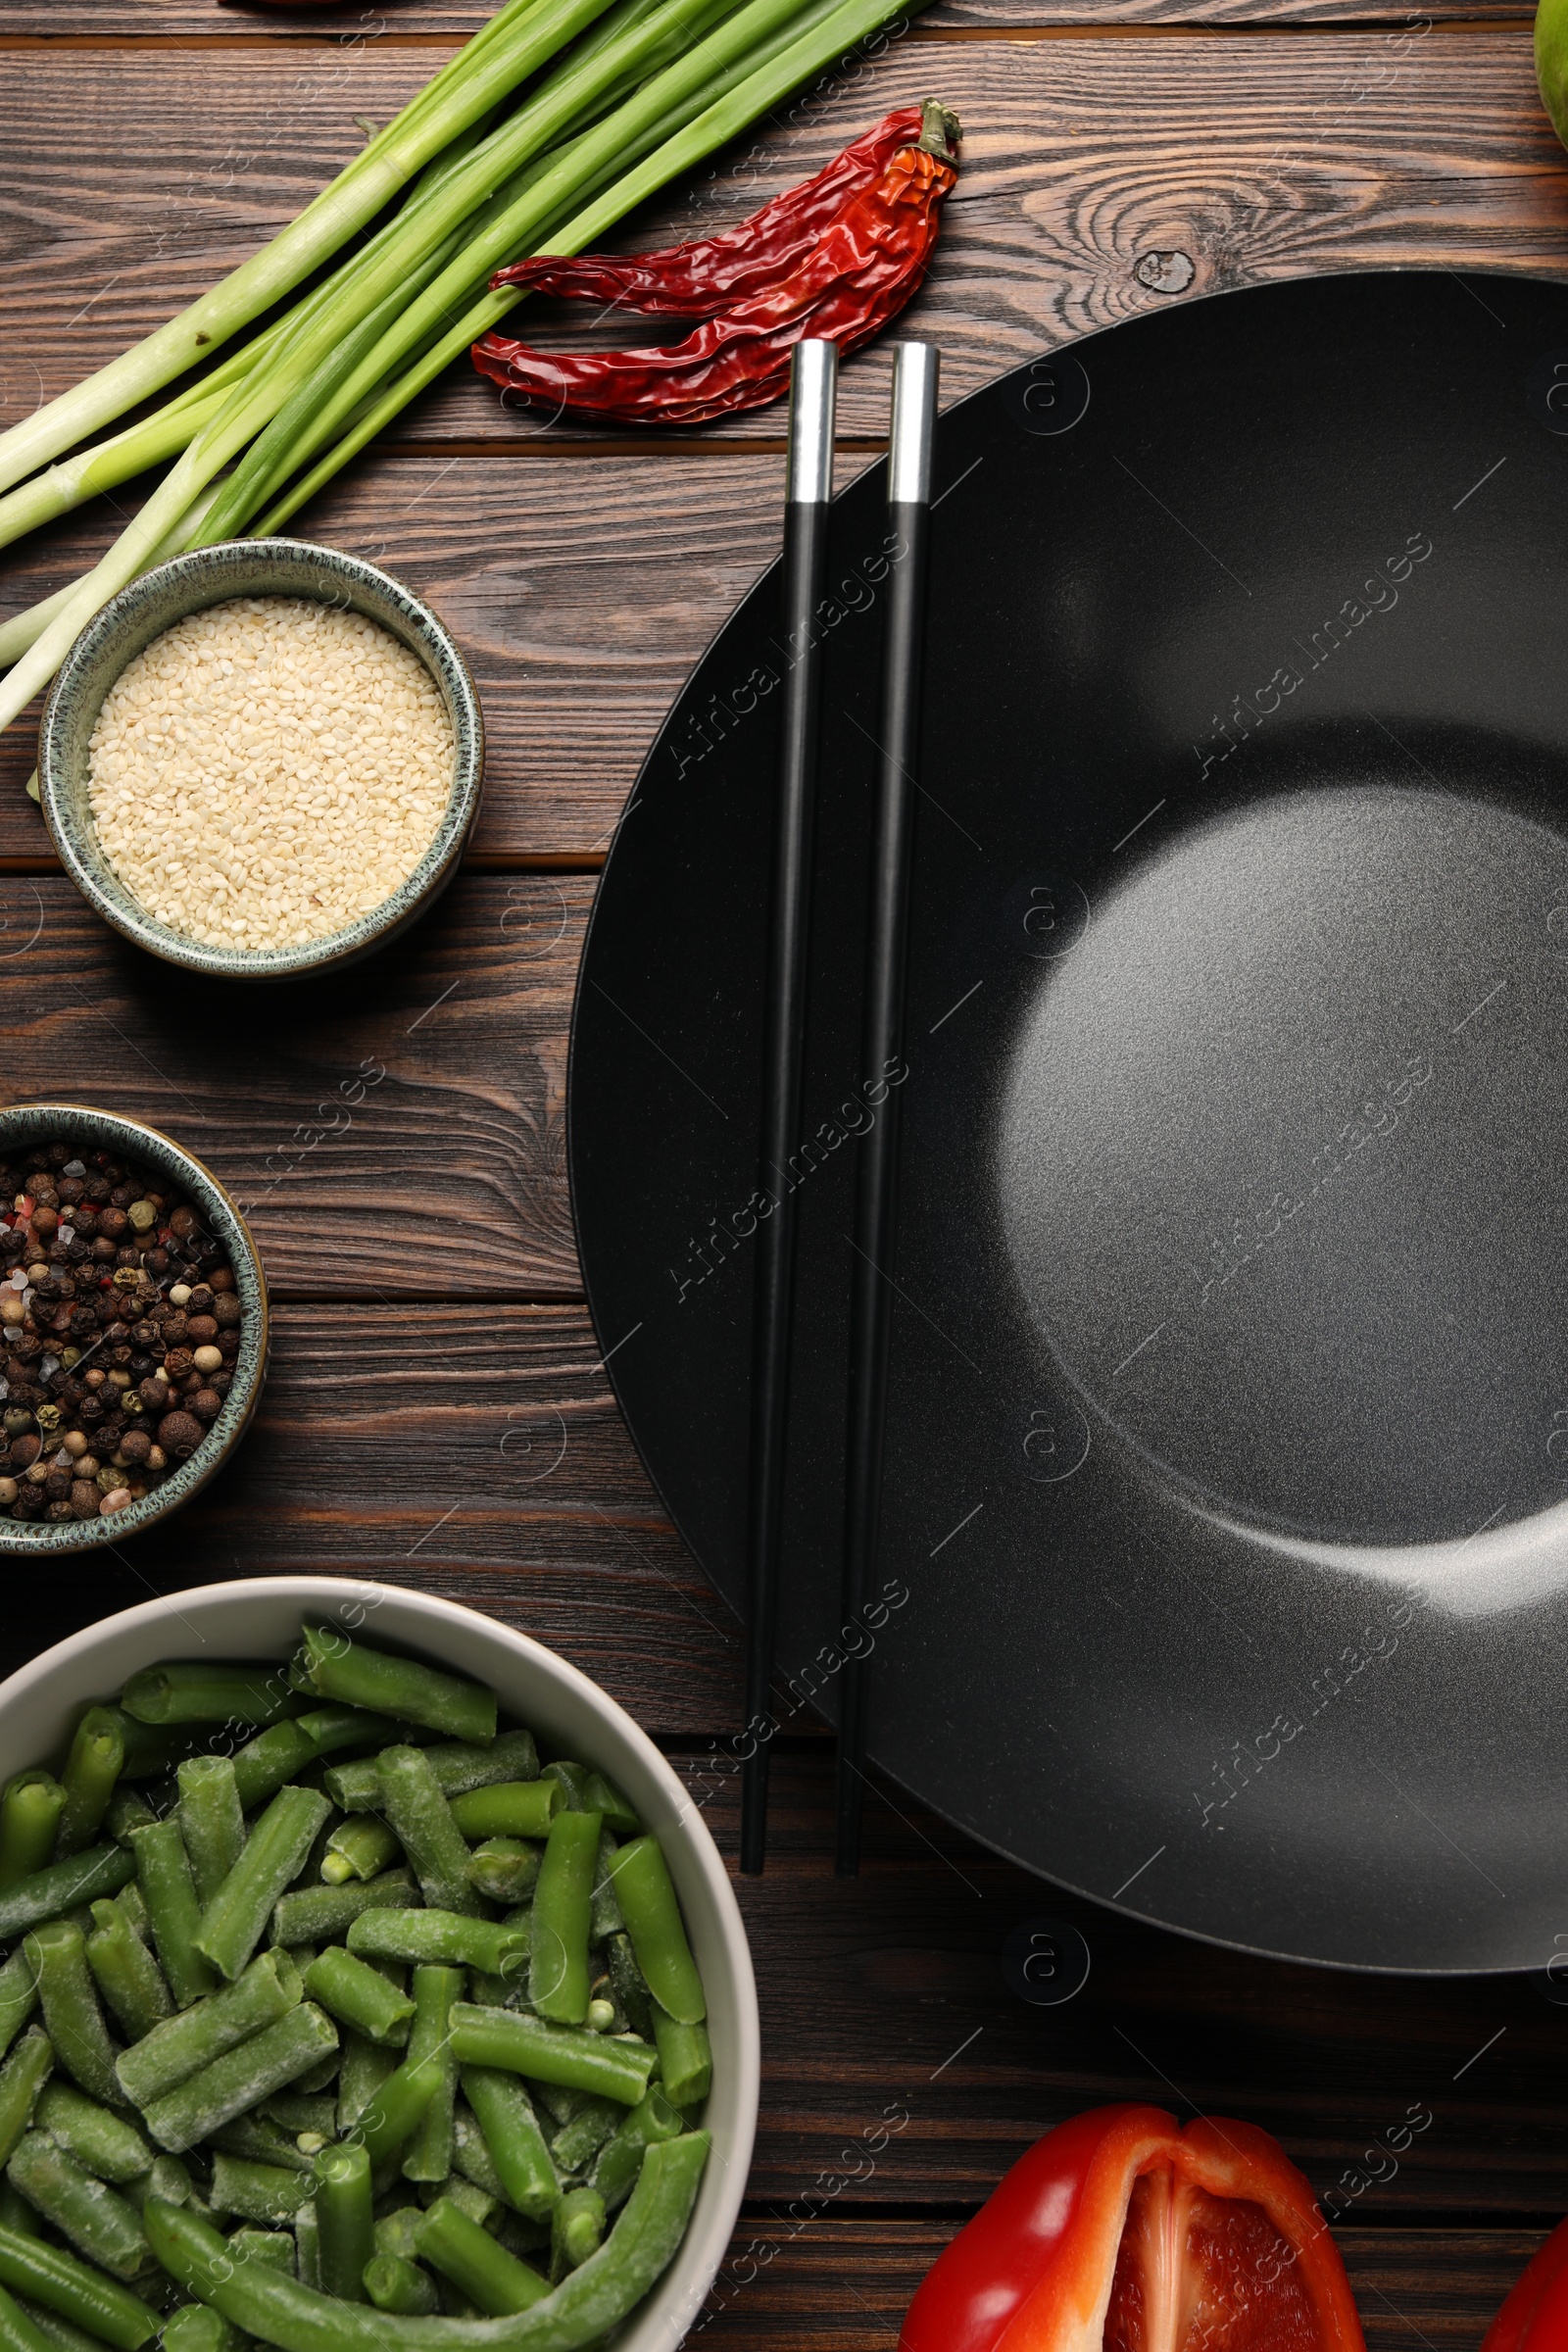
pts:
[260, 1617]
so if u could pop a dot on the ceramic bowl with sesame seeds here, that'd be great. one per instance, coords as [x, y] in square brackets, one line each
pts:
[160, 1163]
[262, 760]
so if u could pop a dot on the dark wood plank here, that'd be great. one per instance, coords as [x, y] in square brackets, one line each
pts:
[581, 590]
[831, 2286]
[349, 22]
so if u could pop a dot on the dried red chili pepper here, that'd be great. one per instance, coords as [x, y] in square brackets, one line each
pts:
[1535, 2318]
[835, 261]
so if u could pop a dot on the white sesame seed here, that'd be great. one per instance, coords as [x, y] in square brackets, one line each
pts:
[265, 738]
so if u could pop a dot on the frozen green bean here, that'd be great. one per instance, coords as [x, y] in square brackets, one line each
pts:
[395, 2232]
[358, 1995]
[308, 2248]
[151, 1750]
[576, 2230]
[212, 1820]
[573, 1782]
[107, 2310]
[647, 1897]
[325, 1914]
[95, 1762]
[491, 2277]
[517, 2146]
[63, 1886]
[15, 2211]
[57, 1954]
[274, 2247]
[685, 2058]
[393, 2284]
[126, 1972]
[478, 2203]
[126, 1811]
[131, 1905]
[458, 1767]
[343, 2220]
[562, 1904]
[508, 1809]
[242, 2077]
[58, 2334]
[30, 1817]
[603, 1911]
[633, 1996]
[103, 2143]
[173, 2051]
[471, 2157]
[303, 2111]
[17, 2332]
[163, 1871]
[603, 1796]
[236, 1918]
[549, 2053]
[360, 1847]
[259, 2193]
[197, 2328]
[98, 2222]
[422, 1819]
[21, 2077]
[443, 1939]
[332, 1666]
[187, 1691]
[619, 2160]
[503, 1869]
[578, 2140]
[255, 2139]
[288, 1749]
[396, 2110]
[365, 2067]
[428, 2156]
[18, 1997]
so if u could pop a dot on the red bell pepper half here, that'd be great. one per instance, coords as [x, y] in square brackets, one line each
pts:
[1119, 2231]
[1535, 2318]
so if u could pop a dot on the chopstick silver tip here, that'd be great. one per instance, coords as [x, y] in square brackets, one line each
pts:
[915, 370]
[813, 402]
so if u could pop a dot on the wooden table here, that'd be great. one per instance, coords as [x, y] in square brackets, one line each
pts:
[435, 1416]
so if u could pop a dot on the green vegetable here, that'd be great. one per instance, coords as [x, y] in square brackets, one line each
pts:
[358, 1995]
[96, 1760]
[549, 2053]
[176, 2049]
[21, 2077]
[436, 1990]
[423, 1820]
[359, 1849]
[646, 1898]
[291, 1748]
[504, 2113]
[108, 2311]
[458, 1767]
[505, 1870]
[444, 1938]
[191, 1692]
[584, 2134]
[558, 1971]
[343, 2220]
[394, 2283]
[194, 2328]
[491, 2277]
[71, 2017]
[365, 2067]
[241, 2078]
[18, 1997]
[272, 2246]
[508, 1809]
[211, 1820]
[235, 1919]
[126, 1972]
[254, 2139]
[98, 2222]
[398, 2109]
[259, 2193]
[576, 2230]
[30, 1817]
[334, 1667]
[63, 1886]
[168, 1891]
[619, 2160]
[685, 2058]
[103, 2142]
[325, 1914]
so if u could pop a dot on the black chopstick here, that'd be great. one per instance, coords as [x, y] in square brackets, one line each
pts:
[914, 408]
[814, 385]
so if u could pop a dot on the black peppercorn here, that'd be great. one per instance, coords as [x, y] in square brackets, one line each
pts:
[206, 1404]
[179, 1433]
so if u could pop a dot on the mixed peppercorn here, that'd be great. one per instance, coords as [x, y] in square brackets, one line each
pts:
[120, 1323]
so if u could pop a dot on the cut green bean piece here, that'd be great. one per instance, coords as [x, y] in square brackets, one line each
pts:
[647, 1897]
[197, 2328]
[422, 1819]
[358, 1995]
[444, 1938]
[84, 2296]
[288, 1749]
[365, 2067]
[685, 2058]
[549, 2053]
[126, 1811]
[508, 1809]
[505, 1870]
[576, 2230]
[562, 1904]
[478, 2203]
[603, 1796]
[131, 1904]
[395, 2232]
[429, 2153]
[573, 1782]
[580, 2139]
[15, 2211]
[619, 2160]
[632, 1996]
[175, 2050]
[302, 2111]
[605, 1914]
[259, 2193]
[127, 1975]
[21, 2077]
[360, 1847]
[308, 2248]
[393, 2284]
[212, 1820]
[235, 1919]
[471, 2157]
[242, 2077]
[274, 2247]
[30, 1817]
[57, 1954]
[18, 1997]
[332, 1666]
[461, 2251]
[17, 2332]
[396, 2110]
[169, 1893]
[189, 1692]
[151, 1750]
[98, 2222]
[326, 1914]
[255, 2139]
[458, 1767]
[103, 2143]
[343, 2220]
[58, 2334]
[63, 1886]
[96, 1760]
[504, 2113]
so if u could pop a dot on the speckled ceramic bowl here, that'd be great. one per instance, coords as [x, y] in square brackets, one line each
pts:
[129, 622]
[128, 1138]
